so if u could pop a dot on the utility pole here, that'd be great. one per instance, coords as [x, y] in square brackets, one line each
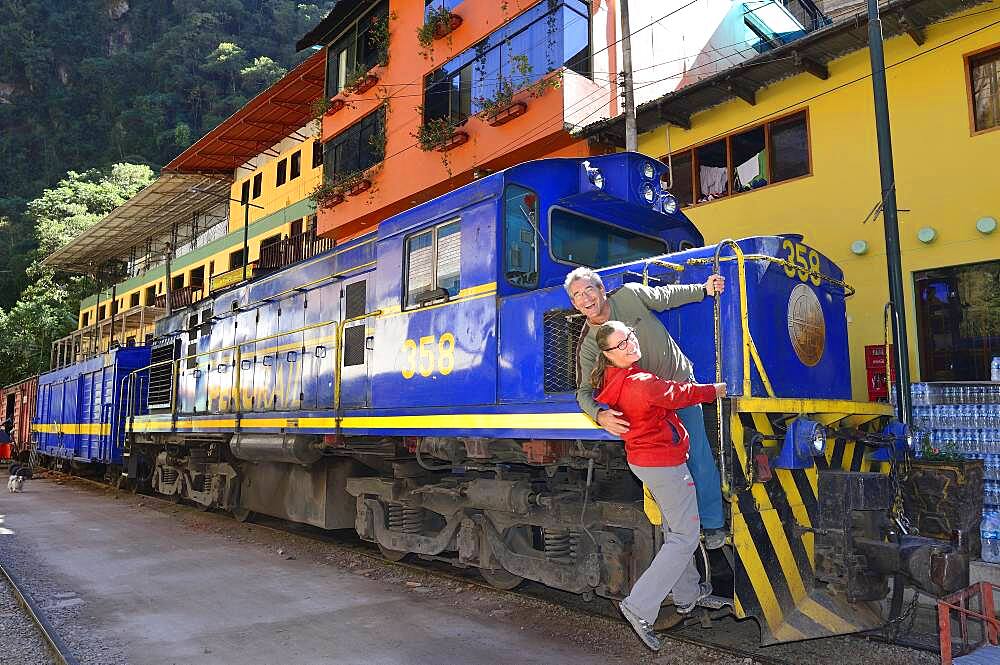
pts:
[631, 135]
[168, 249]
[890, 215]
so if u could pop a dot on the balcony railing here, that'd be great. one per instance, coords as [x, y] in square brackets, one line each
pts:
[231, 277]
[181, 297]
[290, 250]
[125, 328]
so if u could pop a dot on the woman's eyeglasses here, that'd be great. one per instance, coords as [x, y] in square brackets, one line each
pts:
[624, 343]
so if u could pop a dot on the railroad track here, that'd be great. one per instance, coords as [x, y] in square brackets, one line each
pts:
[52, 640]
[728, 636]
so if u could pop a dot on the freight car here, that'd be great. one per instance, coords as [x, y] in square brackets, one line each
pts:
[19, 401]
[417, 384]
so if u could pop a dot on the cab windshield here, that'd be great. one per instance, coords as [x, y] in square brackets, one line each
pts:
[587, 242]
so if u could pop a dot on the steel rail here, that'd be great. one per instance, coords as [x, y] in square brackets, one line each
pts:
[55, 644]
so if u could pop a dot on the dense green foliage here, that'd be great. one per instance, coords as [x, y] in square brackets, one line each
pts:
[47, 309]
[88, 83]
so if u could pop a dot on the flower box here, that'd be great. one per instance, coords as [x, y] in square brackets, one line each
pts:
[443, 29]
[362, 185]
[336, 104]
[367, 82]
[506, 114]
[457, 139]
[333, 201]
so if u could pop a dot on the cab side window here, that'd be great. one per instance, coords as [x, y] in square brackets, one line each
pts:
[433, 263]
[520, 221]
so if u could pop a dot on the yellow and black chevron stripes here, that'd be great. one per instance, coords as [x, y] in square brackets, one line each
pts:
[772, 522]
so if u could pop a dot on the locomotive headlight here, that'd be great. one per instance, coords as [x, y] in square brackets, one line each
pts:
[804, 439]
[648, 193]
[594, 175]
[647, 170]
[899, 440]
[669, 203]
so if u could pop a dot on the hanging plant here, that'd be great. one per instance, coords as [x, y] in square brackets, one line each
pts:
[438, 133]
[378, 36]
[359, 80]
[501, 107]
[337, 186]
[440, 22]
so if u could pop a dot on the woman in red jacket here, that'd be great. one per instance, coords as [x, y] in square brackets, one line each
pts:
[656, 447]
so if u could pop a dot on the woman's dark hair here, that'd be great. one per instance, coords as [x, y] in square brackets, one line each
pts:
[597, 376]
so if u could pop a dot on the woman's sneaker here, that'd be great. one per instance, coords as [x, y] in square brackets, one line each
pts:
[642, 627]
[704, 591]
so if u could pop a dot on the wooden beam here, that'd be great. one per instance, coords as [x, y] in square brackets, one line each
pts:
[810, 66]
[913, 26]
[744, 92]
[678, 119]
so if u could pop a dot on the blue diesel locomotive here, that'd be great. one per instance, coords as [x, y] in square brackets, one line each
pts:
[417, 384]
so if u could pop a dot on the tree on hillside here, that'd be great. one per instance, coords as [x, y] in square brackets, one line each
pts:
[47, 308]
[80, 200]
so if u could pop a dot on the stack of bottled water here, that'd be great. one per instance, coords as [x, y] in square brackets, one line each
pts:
[964, 418]
[989, 532]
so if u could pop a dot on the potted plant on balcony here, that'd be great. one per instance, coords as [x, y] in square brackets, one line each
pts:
[441, 134]
[439, 23]
[509, 100]
[360, 80]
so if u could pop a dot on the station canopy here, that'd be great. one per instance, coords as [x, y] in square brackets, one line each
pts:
[153, 211]
[200, 177]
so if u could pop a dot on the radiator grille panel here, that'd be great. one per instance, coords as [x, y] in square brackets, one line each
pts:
[161, 377]
[562, 331]
[354, 346]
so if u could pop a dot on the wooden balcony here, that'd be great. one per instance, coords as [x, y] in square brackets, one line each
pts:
[125, 328]
[291, 250]
[181, 297]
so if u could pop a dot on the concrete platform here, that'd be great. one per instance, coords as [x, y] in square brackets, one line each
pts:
[163, 592]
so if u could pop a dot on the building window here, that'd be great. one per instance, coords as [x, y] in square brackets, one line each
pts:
[357, 147]
[770, 153]
[151, 295]
[245, 193]
[546, 37]
[282, 173]
[354, 50]
[985, 89]
[86, 319]
[257, 179]
[133, 300]
[958, 316]
[101, 311]
[520, 237]
[236, 259]
[433, 264]
[317, 154]
[295, 165]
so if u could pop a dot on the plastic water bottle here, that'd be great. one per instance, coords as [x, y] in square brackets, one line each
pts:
[989, 531]
[995, 369]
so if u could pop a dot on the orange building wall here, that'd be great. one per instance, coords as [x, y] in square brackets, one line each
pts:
[408, 175]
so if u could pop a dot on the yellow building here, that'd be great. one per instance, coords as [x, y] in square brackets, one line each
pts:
[785, 143]
[240, 191]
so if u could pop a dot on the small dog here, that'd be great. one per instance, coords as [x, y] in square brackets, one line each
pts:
[15, 484]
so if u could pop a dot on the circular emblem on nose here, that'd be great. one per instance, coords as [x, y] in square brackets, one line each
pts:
[806, 325]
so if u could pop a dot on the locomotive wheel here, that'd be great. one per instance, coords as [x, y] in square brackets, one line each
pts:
[500, 578]
[391, 555]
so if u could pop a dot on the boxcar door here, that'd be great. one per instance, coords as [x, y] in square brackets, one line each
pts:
[188, 367]
[245, 333]
[220, 382]
[356, 343]
[322, 311]
[263, 375]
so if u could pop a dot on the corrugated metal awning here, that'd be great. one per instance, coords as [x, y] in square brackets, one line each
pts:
[151, 213]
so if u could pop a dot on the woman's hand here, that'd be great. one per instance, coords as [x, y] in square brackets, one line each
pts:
[720, 389]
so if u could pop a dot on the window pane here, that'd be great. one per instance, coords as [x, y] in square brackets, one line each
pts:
[683, 185]
[713, 173]
[985, 93]
[419, 254]
[449, 257]
[749, 160]
[789, 148]
[958, 316]
[436, 96]
[281, 173]
[317, 154]
[520, 248]
[576, 41]
[295, 168]
[590, 243]
[257, 184]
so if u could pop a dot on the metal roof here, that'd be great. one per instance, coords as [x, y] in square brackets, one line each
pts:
[808, 54]
[334, 22]
[274, 114]
[148, 214]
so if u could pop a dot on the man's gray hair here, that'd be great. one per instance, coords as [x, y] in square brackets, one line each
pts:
[582, 273]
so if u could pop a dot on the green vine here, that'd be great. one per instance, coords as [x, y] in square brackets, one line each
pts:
[335, 187]
[435, 133]
[511, 85]
[378, 36]
[438, 18]
[318, 109]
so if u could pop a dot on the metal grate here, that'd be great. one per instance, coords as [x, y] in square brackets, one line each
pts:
[161, 377]
[354, 346]
[562, 331]
[354, 299]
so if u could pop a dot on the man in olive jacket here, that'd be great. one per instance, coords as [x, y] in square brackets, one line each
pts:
[634, 304]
